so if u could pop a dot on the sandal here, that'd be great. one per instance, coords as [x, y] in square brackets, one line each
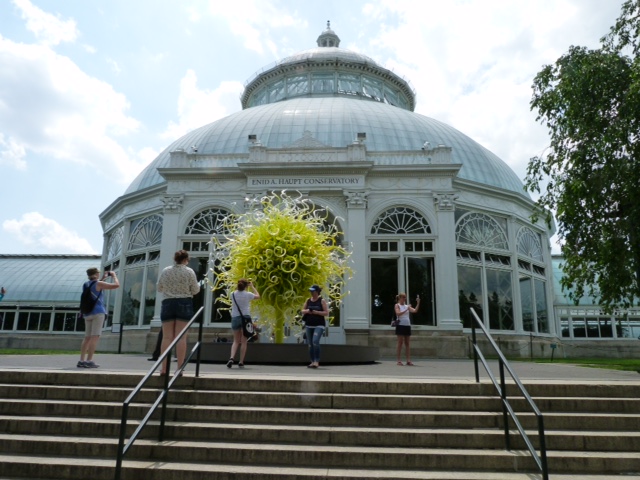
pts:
[410, 364]
[400, 364]
[241, 365]
[230, 363]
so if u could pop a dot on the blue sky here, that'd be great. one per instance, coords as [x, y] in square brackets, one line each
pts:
[91, 91]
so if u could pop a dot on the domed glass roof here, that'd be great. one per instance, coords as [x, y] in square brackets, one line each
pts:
[335, 122]
[327, 53]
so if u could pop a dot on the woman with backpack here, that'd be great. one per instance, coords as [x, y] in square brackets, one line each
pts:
[94, 313]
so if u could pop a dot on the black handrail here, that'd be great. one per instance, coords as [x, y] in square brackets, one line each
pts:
[123, 447]
[541, 459]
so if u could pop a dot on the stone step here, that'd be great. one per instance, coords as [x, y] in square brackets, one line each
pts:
[293, 434]
[404, 386]
[323, 416]
[290, 399]
[86, 450]
[96, 469]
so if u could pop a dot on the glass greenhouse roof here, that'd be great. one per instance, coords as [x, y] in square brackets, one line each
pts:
[335, 122]
[33, 279]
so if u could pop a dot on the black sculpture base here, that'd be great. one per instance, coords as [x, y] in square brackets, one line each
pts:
[290, 354]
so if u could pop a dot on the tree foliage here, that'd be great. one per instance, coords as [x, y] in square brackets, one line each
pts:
[590, 173]
[284, 245]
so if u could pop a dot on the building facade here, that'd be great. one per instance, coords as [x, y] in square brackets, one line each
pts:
[423, 208]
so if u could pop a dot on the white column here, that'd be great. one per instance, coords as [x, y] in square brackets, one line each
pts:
[169, 243]
[445, 264]
[355, 308]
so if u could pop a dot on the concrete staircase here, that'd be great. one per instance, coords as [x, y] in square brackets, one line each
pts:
[65, 425]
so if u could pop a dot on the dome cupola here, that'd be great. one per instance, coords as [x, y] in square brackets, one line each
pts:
[328, 38]
[328, 71]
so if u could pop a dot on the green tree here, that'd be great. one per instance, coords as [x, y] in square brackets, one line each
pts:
[284, 246]
[590, 173]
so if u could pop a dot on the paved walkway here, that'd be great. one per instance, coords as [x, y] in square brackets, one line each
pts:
[424, 368]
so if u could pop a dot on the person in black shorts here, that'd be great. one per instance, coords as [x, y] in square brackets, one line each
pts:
[403, 329]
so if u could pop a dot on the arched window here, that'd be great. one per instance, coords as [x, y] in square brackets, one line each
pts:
[145, 232]
[196, 240]
[531, 273]
[401, 260]
[529, 244]
[208, 222]
[400, 221]
[141, 271]
[481, 230]
[484, 274]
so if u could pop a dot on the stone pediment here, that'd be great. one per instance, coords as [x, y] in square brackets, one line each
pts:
[307, 141]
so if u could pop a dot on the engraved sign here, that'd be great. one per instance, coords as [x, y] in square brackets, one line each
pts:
[314, 181]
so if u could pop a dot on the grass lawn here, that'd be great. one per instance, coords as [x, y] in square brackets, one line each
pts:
[631, 364]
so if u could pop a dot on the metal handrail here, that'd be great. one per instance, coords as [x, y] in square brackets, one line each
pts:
[541, 459]
[123, 447]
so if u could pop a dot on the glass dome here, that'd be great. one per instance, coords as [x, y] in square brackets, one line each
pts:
[335, 122]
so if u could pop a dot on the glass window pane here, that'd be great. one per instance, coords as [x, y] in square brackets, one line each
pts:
[150, 294]
[277, 91]
[420, 282]
[7, 320]
[131, 293]
[500, 300]
[322, 83]
[298, 85]
[23, 319]
[526, 303]
[606, 329]
[384, 288]
[372, 88]
[349, 84]
[541, 307]
[564, 327]
[592, 328]
[469, 293]
[579, 330]
[45, 321]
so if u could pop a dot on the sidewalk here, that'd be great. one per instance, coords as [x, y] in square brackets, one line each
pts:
[425, 368]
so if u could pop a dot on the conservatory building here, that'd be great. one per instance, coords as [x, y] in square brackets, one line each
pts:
[422, 208]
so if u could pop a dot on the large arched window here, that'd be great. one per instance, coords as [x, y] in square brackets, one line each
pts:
[484, 270]
[533, 286]
[115, 244]
[401, 260]
[197, 241]
[141, 271]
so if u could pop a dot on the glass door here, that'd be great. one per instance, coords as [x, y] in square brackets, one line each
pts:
[419, 281]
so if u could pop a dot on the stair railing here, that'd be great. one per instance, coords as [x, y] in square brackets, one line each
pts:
[507, 409]
[123, 447]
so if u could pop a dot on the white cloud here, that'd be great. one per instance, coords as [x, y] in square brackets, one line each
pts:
[12, 153]
[49, 106]
[255, 22]
[48, 28]
[198, 107]
[34, 230]
[473, 63]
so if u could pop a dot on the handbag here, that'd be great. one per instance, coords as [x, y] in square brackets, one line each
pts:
[247, 324]
[394, 321]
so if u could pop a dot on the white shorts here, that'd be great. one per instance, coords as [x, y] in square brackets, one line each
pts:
[93, 325]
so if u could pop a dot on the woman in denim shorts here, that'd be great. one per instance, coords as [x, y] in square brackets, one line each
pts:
[240, 305]
[178, 284]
